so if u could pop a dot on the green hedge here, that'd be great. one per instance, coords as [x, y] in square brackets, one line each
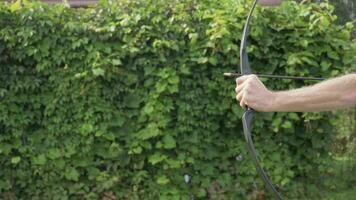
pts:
[126, 99]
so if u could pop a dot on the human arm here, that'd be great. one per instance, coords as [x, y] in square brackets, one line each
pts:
[328, 95]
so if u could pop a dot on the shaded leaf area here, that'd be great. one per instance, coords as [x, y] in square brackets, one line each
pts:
[122, 100]
[345, 9]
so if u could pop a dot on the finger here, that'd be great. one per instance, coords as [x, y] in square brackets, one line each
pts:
[239, 96]
[242, 103]
[239, 88]
[241, 79]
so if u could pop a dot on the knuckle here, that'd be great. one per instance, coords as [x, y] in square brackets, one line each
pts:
[251, 82]
[253, 76]
[238, 97]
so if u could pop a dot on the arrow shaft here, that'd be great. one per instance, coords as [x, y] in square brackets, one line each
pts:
[277, 77]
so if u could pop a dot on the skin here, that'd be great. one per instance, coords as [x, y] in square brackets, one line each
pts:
[328, 95]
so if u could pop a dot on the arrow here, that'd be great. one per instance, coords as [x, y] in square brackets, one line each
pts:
[277, 77]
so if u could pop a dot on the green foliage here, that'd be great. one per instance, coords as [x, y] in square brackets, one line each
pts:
[128, 97]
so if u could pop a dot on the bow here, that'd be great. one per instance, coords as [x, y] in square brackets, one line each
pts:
[250, 113]
[247, 117]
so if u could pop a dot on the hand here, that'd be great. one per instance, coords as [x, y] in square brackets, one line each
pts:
[253, 93]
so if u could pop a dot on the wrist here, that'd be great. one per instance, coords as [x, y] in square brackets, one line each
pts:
[273, 102]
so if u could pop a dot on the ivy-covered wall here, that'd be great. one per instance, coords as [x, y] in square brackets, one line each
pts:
[125, 99]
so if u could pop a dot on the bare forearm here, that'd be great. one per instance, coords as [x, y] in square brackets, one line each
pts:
[328, 95]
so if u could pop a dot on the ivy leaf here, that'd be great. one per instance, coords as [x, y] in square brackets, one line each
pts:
[162, 180]
[16, 6]
[161, 86]
[118, 120]
[15, 159]
[136, 150]
[54, 153]
[174, 163]
[98, 72]
[213, 61]
[275, 156]
[325, 65]
[148, 133]
[26, 3]
[116, 62]
[156, 158]
[202, 60]
[71, 174]
[174, 80]
[193, 37]
[40, 159]
[169, 142]
[333, 55]
[114, 150]
[287, 125]
[86, 129]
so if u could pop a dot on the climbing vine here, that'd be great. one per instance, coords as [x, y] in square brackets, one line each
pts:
[126, 98]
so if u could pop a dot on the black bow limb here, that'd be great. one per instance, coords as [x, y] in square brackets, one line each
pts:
[247, 126]
[250, 113]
